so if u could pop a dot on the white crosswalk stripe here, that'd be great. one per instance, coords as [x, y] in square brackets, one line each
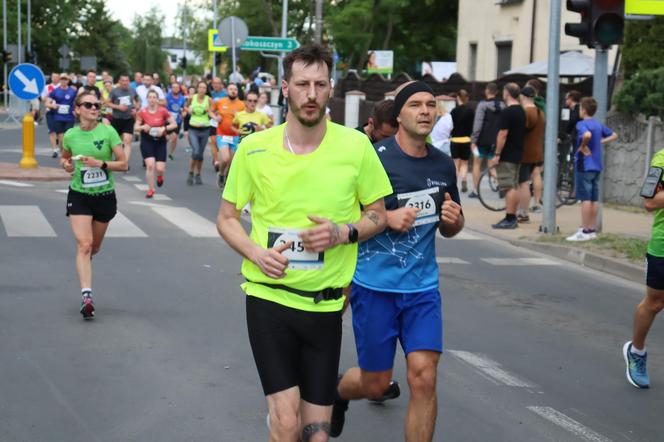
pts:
[25, 221]
[133, 179]
[520, 261]
[491, 369]
[569, 424]
[122, 227]
[191, 222]
[16, 183]
[450, 260]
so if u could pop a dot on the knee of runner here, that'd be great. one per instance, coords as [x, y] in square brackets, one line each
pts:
[285, 422]
[377, 388]
[422, 380]
[85, 247]
[655, 304]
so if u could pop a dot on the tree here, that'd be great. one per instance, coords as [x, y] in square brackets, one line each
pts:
[146, 54]
[644, 45]
[643, 94]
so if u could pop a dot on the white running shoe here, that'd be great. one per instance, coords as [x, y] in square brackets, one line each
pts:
[580, 236]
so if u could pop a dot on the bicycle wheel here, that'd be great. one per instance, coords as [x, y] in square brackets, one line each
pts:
[488, 192]
[565, 192]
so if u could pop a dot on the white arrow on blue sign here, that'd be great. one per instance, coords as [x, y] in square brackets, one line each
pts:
[26, 81]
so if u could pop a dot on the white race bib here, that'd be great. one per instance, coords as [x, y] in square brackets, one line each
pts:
[298, 257]
[154, 131]
[228, 139]
[93, 177]
[125, 101]
[213, 122]
[423, 200]
[174, 115]
[63, 109]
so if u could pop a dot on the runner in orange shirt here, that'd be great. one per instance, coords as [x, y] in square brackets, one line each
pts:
[227, 136]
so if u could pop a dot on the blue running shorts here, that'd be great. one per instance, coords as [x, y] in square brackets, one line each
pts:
[228, 141]
[380, 318]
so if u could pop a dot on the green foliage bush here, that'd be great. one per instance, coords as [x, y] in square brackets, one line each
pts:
[643, 94]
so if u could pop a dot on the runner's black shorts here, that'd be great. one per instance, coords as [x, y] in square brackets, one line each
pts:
[460, 151]
[176, 130]
[123, 126]
[213, 131]
[101, 207]
[152, 147]
[186, 122]
[654, 272]
[293, 347]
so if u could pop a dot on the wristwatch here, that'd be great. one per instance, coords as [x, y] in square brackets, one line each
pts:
[353, 234]
[104, 166]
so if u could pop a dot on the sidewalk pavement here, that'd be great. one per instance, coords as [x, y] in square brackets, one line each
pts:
[11, 171]
[623, 223]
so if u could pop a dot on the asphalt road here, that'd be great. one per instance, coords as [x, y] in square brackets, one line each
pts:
[532, 343]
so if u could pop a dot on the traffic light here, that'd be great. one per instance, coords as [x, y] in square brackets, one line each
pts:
[602, 22]
[608, 19]
[582, 30]
[183, 62]
[7, 57]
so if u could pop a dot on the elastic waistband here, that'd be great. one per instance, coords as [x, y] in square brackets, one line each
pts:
[107, 193]
[327, 294]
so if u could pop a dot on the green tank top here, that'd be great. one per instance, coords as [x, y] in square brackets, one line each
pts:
[199, 112]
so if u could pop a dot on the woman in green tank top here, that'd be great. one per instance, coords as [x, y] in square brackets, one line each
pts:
[90, 152]
[200, 109]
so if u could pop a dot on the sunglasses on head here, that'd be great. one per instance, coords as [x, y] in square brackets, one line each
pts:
[88, 105]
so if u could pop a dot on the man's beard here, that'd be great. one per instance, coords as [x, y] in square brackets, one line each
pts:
[308, 123]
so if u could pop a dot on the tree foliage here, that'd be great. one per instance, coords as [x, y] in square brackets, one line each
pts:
[644, 45]
[643, 93]
[145, 54]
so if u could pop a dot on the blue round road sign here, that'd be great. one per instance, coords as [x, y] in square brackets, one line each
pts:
[26, 81]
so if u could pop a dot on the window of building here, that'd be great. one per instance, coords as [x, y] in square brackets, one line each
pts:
[503, 57]
[174, 58]
[472, 62]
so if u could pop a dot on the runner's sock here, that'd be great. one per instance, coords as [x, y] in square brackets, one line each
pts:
[588, 231]
[86, 292]
[636, 351]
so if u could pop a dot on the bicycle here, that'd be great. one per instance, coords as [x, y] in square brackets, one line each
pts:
[493, 198]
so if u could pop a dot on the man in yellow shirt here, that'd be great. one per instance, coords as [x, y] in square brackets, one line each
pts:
[248, 121]
[305, 180]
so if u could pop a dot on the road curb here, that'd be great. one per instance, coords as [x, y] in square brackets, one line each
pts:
[10, 171]
[591, 260]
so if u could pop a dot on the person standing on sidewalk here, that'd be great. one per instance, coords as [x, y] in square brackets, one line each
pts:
[462, 128]
[485, 132]
[395, 288]
[509, 151]
[634, 351]
[533, 151]
[316, 188]
[590, 135]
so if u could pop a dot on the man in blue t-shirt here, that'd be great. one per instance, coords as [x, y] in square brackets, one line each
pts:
[61, 101]
[395, 288]
[590, 135]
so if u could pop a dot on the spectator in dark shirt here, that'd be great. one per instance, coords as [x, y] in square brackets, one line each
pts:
[462, 128]
[381, 124]
[509, 151]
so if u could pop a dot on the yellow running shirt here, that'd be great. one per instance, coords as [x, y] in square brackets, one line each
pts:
[248, 121]
[284, 188]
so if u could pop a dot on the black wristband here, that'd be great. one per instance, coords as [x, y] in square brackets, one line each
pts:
[353, 234]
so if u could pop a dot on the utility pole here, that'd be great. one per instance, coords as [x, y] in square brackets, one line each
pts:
[30, 29]
[184, 42]
[318, 30]
[551, 133]
[4, 48]
[600, 93]
[20, 54]
[284, 28]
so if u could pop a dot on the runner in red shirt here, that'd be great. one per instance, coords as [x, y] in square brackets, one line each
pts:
[153, 122]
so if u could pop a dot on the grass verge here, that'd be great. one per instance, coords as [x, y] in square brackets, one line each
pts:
[608, 244]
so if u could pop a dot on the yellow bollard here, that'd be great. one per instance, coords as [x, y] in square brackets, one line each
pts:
[28, 161]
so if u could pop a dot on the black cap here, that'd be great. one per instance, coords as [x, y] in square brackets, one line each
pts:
[528, 92]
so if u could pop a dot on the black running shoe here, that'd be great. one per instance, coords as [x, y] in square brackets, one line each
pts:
[338, 413]
[392, 392]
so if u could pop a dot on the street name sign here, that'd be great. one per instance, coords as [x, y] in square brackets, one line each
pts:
[274, 44]
[26, 81]
[644, 7]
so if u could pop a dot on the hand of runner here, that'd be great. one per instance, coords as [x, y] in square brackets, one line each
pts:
[68, 165]
[322, 237]
[402, 219]
[145, 128]
[91, 162]
[271, 261]
[450, 211]
[493, 162]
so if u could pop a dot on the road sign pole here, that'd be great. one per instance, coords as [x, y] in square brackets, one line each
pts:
[214, 26]
[20, 55]
[184, 42]
[552, 106]
[29, 30]
[600, 93]
[284, 29]
[4, 48]
[233, 41]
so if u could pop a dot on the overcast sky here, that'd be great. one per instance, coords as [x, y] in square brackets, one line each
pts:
[124, 10]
